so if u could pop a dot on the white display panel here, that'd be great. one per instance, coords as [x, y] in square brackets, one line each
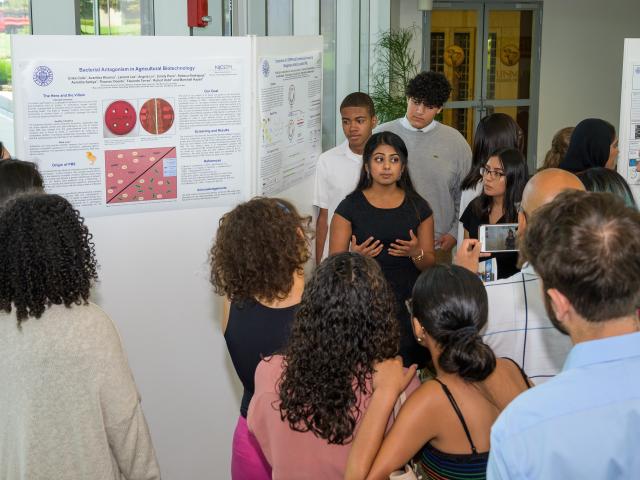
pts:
[629, 136]
[290, 101]
[134, 133]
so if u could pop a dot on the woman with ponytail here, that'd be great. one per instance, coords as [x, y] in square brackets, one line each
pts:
[445, 425]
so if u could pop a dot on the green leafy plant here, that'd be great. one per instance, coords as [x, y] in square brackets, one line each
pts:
[395, 65]
[5, 71]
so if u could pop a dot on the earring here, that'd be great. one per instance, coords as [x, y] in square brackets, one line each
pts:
[368, 175]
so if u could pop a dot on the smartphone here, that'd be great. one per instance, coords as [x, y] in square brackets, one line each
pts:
[498, 238]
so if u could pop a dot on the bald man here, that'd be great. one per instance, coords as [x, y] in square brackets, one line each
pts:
[518, 325]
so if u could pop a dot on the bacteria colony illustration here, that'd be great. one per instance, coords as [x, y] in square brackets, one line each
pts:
[141, 174]
[156, 117]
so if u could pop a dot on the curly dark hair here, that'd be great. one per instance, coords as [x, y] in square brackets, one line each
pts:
[429, 88]
[258, 247]
[47, 255]
[345, 323]
[451, 304]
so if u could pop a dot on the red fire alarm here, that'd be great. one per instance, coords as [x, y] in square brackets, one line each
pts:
[198, 13]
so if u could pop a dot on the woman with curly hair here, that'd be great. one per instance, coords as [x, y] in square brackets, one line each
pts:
[257, 262]
[309, 401]
[69, 407]
[446, 424]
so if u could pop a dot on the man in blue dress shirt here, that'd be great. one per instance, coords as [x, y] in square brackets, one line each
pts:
[585, 422]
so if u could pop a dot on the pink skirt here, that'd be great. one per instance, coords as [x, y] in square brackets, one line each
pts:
[247, 460]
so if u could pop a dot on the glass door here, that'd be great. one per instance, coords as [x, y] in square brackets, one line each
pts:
[455, 49]
[490, 54]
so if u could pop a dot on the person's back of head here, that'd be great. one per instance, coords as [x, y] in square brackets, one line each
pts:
[18, 176]
[345, 323]
[495, 132]
[590, 145]
[542, 188]
[559, 147]
[450, 304]
[47, 255]
[604, 180]
[587, 246]
[258, 247]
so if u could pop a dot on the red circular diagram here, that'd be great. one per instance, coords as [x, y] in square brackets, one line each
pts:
[120, 117]
[156, 116]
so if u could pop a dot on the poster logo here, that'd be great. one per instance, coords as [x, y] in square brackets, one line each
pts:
[42, 76]
[265, 68]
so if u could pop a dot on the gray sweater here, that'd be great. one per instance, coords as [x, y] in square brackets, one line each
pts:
[438, 161]
[69, 408]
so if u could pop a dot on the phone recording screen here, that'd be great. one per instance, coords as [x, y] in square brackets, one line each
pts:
[499, 238]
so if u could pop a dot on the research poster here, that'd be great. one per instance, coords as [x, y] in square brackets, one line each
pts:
[289, 99]
[632, 172]
[137, 135]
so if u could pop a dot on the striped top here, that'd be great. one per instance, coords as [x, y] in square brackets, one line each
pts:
[438, 465]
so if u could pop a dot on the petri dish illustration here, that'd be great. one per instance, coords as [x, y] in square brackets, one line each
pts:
[156, 116]
[120, 117]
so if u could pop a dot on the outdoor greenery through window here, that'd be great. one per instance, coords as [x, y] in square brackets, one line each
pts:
[116, 17]
[14, 18]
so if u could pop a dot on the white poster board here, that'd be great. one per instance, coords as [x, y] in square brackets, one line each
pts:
[156, 129]
[154, 275]
[290, 101]
[629, 135]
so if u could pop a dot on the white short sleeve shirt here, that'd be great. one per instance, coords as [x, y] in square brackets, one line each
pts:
[337, 174]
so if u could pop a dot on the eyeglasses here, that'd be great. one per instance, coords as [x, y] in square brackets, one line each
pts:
[494, 174]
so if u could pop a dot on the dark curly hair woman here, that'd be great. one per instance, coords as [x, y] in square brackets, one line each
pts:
[69, 406]
[257, 262]
[308, 402]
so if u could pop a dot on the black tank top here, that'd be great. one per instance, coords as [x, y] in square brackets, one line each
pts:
[254, 332]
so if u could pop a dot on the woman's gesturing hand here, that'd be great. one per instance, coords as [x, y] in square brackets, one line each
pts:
[405, 248]
[369, 248]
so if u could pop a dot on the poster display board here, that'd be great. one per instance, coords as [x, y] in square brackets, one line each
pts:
[290, 100]
[165, 123]
[629, 137]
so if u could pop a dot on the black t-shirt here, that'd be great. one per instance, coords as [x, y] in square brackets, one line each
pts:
[389, 225]
[254, 332]
[507, 261]
[385, 224]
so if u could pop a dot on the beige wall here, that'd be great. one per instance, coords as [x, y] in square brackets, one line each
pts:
[581, 62]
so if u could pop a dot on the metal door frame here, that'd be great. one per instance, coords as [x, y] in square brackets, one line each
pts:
[480, 102]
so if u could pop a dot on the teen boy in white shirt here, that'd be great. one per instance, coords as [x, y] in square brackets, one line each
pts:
[338, 169]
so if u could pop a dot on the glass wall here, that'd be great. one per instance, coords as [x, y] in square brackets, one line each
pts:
[116, 17]
[15, 18]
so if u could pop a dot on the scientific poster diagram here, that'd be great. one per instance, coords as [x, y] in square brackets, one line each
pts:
[289, 97]
[137, 135]
[632, 172]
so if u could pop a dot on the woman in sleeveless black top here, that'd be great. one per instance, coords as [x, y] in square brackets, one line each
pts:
[257, 262]
[385, 218]
[446, 424]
